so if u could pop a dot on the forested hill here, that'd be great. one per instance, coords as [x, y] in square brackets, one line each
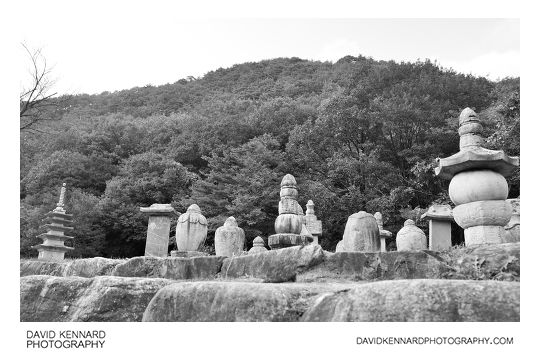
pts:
[359, 134]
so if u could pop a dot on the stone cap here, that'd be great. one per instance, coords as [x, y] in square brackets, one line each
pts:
[288, 180]
[471, 154]
[385, 234]
[258, 242]
[439, 212]
[230, 222]
[160, 209]
[477, 158]
[409, 222]
[193, 215]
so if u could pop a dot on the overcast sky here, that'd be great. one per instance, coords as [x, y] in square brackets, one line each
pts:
[94, 50]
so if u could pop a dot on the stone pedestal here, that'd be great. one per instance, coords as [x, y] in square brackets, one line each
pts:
[361, 233]
[229, 239]
[191, 229]
[58, 222]
[339, 247]
[440, 226]
[159, 226]
[383, 234]
[187, 254]
[478, 186]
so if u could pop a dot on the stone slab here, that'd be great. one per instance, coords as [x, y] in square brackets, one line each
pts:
[77, 299]
[278, 265]
[203, 267]
[420, 301]
[234, 301]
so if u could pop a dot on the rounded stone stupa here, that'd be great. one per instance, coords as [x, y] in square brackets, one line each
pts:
[478, 186]
[258, 246]
[361, 233]
[288, 224]
[229, 239]
[191, 229]
[410, 237]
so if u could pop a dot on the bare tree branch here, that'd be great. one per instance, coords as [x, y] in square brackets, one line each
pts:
[36, 99]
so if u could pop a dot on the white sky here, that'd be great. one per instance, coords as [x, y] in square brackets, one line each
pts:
[103, 47]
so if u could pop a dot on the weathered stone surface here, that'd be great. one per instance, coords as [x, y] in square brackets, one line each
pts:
[410, 237]
[512, 228]
[286, 240]
[191, 229]
[204, 267]
[77, 299]
[494, 261]
[421, 301]
[229, 238]
[258, 246]
[187, 254]
[279, 265]
[361, 233]
[234, 301]
[339, 247]
[355, 266]
[489, 261]
[75, 267]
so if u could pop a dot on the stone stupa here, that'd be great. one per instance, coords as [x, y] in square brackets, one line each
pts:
[478, 186]
[288, 224]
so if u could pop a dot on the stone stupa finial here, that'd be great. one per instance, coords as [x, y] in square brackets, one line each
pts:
[60, 204]
[470, 130]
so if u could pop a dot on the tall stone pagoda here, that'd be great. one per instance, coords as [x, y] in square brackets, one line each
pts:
[288, 224]
[478, 186]
[58, 222]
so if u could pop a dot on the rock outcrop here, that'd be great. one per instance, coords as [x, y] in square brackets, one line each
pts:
[79, 299]
[280, 265]
[234, 301]
[420, 301]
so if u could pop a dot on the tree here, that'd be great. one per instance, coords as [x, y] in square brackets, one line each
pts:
[36, 96]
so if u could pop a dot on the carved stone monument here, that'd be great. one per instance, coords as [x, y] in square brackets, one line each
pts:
[382, 233]
[512, 229]
[58, 222]
[478, 186]
[313, 225]
[191, 230]
[159, 226]
[410, 237]
[288, 224]
[440, 226]
[258, 246]
[229, 239]
[361, 233]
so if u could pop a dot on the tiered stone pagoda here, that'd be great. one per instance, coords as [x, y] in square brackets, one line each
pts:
[478, 186]
[288, 224]
[58, 222]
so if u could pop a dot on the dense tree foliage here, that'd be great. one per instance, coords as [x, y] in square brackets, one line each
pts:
[358, 135]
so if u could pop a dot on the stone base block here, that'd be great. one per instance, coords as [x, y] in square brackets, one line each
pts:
[51, 255]
[484, 235]
[284, 240]
[187, 254]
